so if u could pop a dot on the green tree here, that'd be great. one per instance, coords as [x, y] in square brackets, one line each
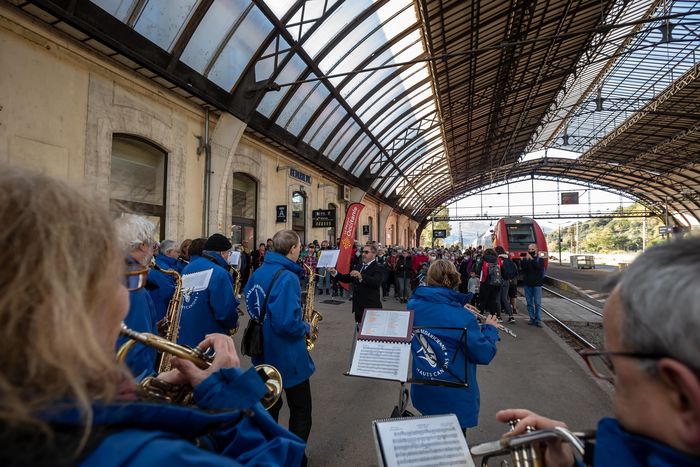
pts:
[426, 237]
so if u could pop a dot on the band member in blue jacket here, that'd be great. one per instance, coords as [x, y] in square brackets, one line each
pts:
[441, 354]
[161, 286]
[135, 237]
[208, 302]
[284, 330]
[65, 400]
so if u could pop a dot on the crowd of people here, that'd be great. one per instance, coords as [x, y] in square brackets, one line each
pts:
[66, 400]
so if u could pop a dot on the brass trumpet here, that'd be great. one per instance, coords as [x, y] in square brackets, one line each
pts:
[155, 389]
[481, 318]
[524, 449]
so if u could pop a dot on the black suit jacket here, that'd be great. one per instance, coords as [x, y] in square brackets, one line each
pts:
[366, 292]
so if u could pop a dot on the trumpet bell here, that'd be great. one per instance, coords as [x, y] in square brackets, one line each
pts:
[273, 380]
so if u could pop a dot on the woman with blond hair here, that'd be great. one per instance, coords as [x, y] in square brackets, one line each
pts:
[440, 353]
[64, 400]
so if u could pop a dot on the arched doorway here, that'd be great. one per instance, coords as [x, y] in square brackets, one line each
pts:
[244, 209]
[299, 214]
[332, 232]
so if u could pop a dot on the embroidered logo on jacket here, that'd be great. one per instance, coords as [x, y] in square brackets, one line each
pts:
[432, 354]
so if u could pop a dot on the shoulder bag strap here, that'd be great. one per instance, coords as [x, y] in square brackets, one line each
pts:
[263, 311]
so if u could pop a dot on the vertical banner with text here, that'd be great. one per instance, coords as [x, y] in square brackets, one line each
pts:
[347, 239]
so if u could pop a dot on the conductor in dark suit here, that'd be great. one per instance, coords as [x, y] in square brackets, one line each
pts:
[368, 281]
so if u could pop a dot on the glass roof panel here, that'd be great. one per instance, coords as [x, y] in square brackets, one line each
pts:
[426, 111]
[266, 65]
[291, 72]
[320, 122]
[360, 150]
[120, 9]
[341, 139]
[214, 27]
[240, 49]
[280, 7]
[161, 22]
[332, 25]
[302, 105]
[393, 89]
[328, 125]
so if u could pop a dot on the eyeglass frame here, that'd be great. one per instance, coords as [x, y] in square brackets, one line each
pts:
[366, 252]
[586, 354]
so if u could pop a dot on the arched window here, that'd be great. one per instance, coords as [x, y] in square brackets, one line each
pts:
[138, 180]
[299, 214]
[333, 230]
[244, 209]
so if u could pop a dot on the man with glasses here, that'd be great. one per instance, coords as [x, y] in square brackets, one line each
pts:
[135, 236]
[208, 303]
[533, 275]
[366, 279]
[651, 323]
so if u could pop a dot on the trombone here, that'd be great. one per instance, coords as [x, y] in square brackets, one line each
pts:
[481, 318]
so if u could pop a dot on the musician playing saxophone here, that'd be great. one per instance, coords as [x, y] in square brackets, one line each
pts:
[208, 303]
[284, 330]
[160, 285]
[651, 324]
[65, 400]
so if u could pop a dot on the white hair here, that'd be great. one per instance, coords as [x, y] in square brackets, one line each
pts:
[661, 302]
[167, 245]
[132, 231]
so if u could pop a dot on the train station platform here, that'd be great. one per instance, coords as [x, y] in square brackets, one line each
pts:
[587, 282]
[536, 370]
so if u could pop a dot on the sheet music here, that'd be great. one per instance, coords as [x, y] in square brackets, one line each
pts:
[385, 360]
[235, 259]
[386, 324]
[421, 441]
[196, 281]
[328, 258]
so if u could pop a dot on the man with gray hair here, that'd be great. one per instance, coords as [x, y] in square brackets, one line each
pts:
[135, 236]
[161, 286]
[651, 323]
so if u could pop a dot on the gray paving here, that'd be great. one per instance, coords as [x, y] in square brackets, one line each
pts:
[536, 370]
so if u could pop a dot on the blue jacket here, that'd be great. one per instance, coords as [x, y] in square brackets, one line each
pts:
[616, 447]
[161, 286]
[141, 318]
[213, 309]
[284, 330]
[435, 307]
[230, 427]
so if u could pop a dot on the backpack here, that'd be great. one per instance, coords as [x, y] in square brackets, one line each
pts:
[509, 270]
[494, 275]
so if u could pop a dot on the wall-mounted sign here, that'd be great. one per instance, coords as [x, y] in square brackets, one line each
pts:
[440, 233]
[365, 230]
[281, 211]
[569, 197]
[300, 176]
[323, 218]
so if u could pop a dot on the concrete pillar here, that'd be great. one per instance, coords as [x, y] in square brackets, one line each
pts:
[384, 213]
[224, 140]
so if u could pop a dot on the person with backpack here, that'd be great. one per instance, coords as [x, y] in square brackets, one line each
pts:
[533, 276]
[491, 282]
[509, 271]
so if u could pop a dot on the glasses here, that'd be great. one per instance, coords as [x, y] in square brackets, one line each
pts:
[365, 252]
[601, 365]
[135, 277]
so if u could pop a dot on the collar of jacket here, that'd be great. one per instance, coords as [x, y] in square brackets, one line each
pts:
[441, 295]
[215, 258]
[165, 262]
[273, 258]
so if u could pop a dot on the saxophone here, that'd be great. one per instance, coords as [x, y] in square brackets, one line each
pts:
[311, 316]
[236, 275]
[169, 326]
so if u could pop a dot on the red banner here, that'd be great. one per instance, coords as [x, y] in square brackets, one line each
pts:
[347, 239]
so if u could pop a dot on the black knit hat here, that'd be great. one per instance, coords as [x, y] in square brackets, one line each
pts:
[218, 242]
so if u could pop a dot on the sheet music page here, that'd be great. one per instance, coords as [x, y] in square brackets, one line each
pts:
[235, 259]
[422, 441]
[385, 323]
[328, 258]
[384, 360]
[196, 281]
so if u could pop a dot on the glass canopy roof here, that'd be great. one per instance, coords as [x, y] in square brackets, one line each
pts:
[354, 81]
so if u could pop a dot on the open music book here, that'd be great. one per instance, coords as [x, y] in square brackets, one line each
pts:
[421, 441]
[383, 346]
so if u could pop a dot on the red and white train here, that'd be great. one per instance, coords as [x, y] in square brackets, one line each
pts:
[515, 233]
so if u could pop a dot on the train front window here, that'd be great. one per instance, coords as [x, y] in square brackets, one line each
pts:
[519, 234]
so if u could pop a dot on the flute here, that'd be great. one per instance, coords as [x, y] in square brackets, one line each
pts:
[481, 318]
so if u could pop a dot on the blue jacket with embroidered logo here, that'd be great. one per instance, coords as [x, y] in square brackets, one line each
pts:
[210, 310]
[283, 328]
[443, 307]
